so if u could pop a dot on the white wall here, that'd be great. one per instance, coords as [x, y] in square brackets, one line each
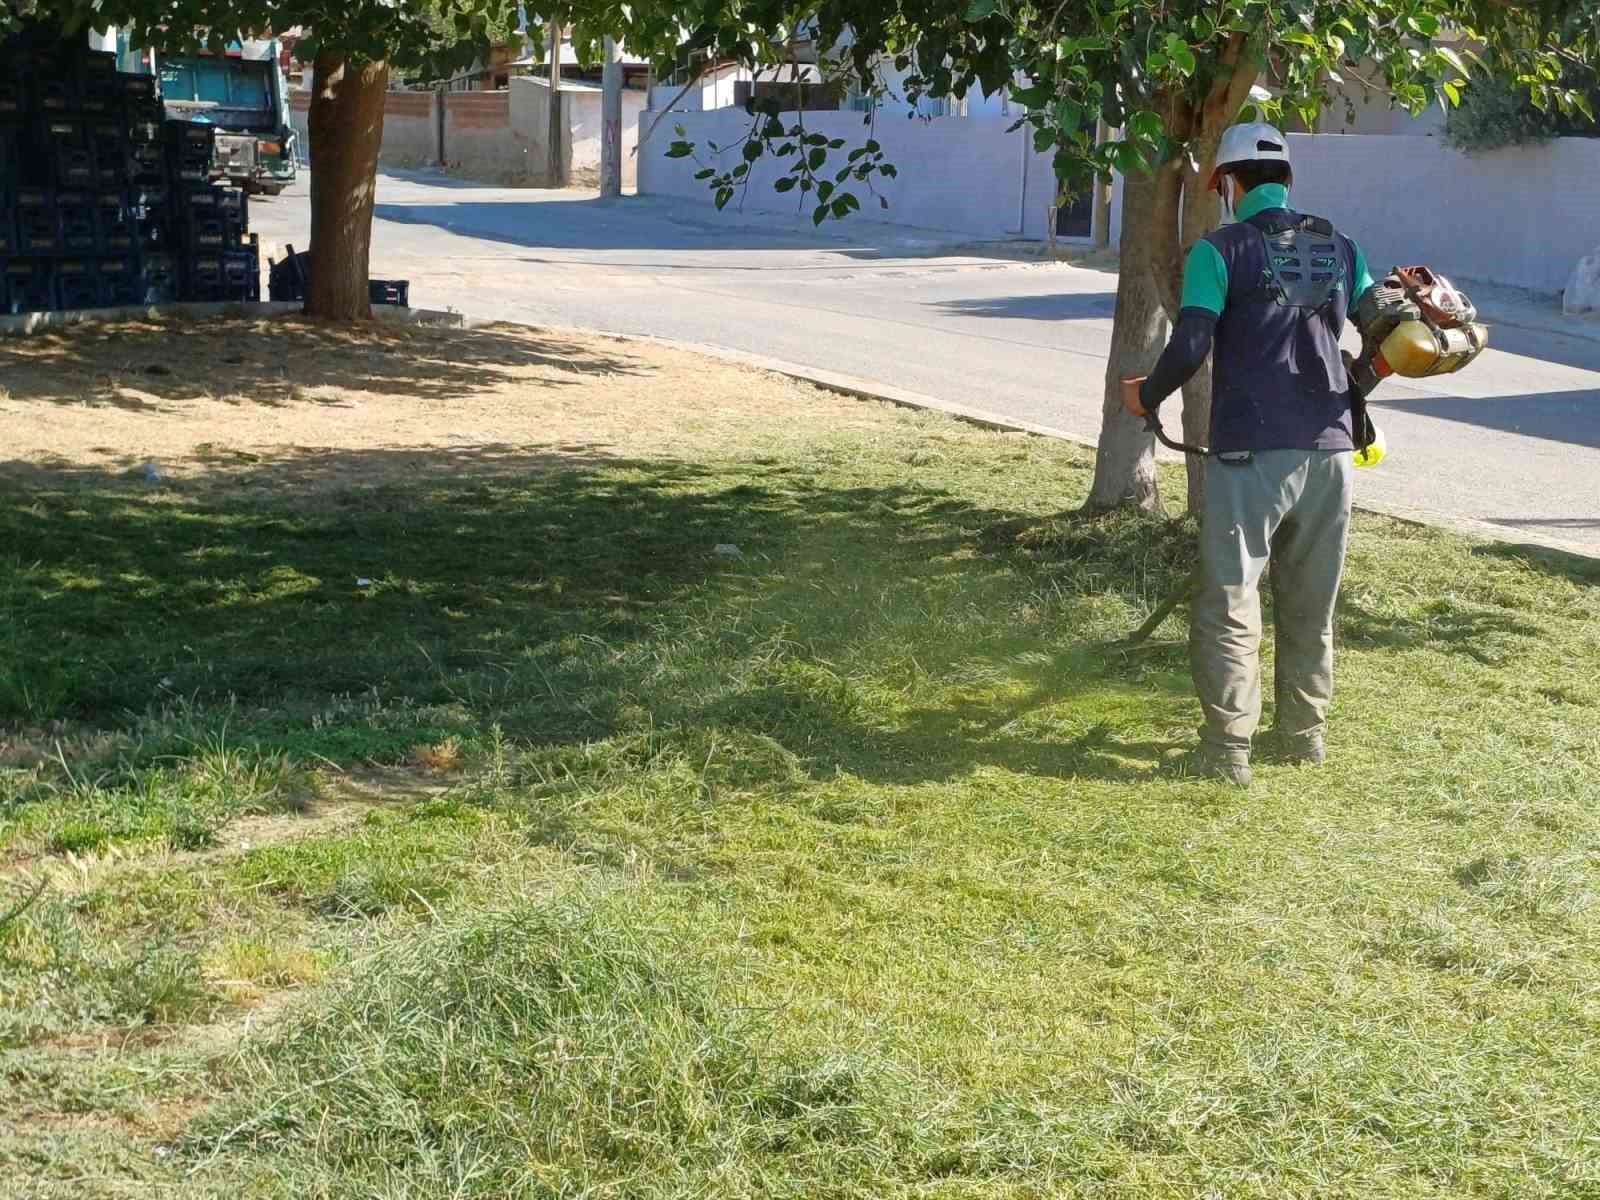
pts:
[1522, 217]
[964, 174]
[583, 111]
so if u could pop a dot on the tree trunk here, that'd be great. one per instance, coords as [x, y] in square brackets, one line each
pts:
[1125, 462]
[346, 124]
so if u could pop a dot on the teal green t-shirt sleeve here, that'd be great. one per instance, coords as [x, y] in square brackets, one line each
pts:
[1205, 279]
[1364, 281]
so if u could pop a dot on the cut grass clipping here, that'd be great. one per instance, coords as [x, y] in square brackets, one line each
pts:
[568, 855]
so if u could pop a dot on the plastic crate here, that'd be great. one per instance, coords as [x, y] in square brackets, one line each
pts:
[139, 93]
[146, 165]
[66, 130]
[109, 141]
[144, 131]
[120, 282]
[13, 93]
[55, 88]
[80, 228]
[99, 89]
[77, 284]
[242, 273]
[190, 141]
[29, 285]
[159, 279]
[390, 291]
[38, 231]
[74, 167]
[150, 209]
[115, 223]
[286, 278]
[207, 235]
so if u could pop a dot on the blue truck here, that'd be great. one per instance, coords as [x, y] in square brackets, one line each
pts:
[242, 91]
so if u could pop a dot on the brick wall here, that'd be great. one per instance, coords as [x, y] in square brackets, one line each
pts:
[481, 141]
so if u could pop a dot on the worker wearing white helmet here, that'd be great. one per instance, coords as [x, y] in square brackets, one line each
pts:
[1267, 296]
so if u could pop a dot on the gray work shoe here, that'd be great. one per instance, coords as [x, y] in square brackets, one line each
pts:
[1230, 768]
[1302, 750]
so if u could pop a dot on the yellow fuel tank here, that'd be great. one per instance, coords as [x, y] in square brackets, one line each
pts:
[1414, 350]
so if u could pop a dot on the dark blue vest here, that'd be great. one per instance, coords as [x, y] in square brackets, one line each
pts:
[1278, 380]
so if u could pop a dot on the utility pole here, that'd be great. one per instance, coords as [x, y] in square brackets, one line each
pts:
[611, 123]
[556, 135]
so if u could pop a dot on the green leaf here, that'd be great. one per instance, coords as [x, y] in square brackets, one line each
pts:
[820, 215]
[753, 150]
[1299, 37]
[1450, 56]
[1146, 125]
[836, 144]
[824, 190]
[872, 146]
[816, 159]
[680, 150]
[888, 171]
[723, 197]
[786, 184]
[1453, 92]
[1182, 57]
[706, 174]
[740, 171]
[981, 10]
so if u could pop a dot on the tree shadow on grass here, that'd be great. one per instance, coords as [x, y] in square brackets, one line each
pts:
[1476, 632]
[313, 610]
[1557, 564]
[156, 366]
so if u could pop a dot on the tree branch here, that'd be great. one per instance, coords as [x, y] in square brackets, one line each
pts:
[682, 92]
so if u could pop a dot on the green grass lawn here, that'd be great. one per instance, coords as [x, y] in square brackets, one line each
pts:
[568, 857]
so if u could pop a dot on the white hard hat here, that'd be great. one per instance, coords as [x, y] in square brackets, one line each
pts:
[1255, 141]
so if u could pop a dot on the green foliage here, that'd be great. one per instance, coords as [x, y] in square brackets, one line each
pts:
[1495, 113]
[422, 35]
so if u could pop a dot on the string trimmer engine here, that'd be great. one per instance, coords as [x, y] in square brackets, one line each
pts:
[1415, 324]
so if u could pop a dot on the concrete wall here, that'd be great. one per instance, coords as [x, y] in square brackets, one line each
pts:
[1522, 217]
[966, 174]
[584, 123]
[479, 139]
[410, 129]
[498, 137]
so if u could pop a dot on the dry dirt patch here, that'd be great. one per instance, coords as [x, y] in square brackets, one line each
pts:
[218, 398]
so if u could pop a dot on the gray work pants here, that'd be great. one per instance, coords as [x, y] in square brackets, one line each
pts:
[1292, 508]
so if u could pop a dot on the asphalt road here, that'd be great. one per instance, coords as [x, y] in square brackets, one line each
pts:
[1511, 446]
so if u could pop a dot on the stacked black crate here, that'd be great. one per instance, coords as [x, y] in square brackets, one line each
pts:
[219, 261]
[149, 186]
